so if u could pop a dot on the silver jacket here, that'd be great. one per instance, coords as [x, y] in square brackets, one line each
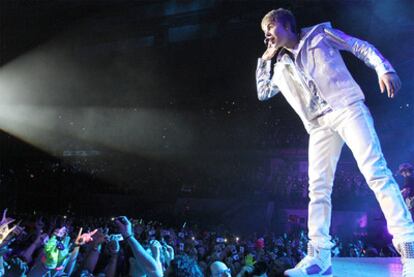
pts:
[318, 58]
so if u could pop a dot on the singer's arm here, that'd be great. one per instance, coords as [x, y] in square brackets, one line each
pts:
[387, 77]
[265, 87]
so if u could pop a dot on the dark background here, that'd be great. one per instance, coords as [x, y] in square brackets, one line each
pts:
[157, 99]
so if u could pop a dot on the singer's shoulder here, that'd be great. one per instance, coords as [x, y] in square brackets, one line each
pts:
[311, 31]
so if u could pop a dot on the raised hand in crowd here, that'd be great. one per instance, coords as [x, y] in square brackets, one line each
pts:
[143, 259]
[5, 219]
[84, 238]
[168, 253]
[80, 240]
[6, 233]
[155, 247]
[124, 227]
[156, 251]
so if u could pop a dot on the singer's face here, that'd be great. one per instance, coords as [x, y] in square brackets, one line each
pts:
[276, 34]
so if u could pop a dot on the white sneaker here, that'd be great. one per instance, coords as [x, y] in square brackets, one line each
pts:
[316, 263]
[406, 250]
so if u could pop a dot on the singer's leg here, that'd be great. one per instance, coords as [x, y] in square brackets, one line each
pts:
[356, 127]
[325, 147]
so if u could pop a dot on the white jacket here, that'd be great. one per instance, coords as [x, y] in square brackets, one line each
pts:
[318, 57]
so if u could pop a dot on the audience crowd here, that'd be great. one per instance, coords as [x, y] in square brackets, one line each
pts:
[63, 246]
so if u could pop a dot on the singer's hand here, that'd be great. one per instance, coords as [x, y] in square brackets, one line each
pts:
[390, 82]
[270, 51]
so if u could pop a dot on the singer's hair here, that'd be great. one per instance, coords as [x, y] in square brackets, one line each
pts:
[282, 16]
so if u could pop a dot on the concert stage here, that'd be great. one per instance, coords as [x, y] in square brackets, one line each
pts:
[367, 267]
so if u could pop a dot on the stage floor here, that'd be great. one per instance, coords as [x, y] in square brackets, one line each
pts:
[367, 267]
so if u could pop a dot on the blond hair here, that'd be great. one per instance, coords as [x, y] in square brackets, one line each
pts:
[281, 16]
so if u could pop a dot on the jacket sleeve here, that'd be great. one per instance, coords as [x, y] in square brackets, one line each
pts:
[265, 87]
[361, 49]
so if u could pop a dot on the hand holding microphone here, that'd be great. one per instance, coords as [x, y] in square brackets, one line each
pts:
[271, 49]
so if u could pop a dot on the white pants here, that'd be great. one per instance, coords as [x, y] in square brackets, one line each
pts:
[354, 126]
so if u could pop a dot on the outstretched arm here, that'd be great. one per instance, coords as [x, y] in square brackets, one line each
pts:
[80, 240]
[140, 254]
[387, 77]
